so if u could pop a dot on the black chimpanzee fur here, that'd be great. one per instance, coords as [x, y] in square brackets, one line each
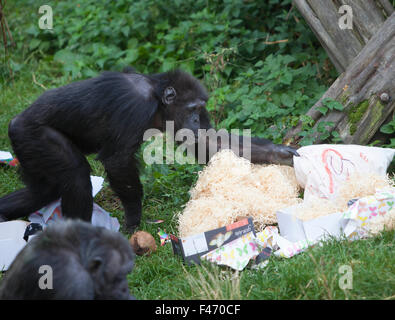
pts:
[87, 262]
[107, 115]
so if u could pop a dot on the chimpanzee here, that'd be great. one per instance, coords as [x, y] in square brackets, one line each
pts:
[107, 115]
[86, 263]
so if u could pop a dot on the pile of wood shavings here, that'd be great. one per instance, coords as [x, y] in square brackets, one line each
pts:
[231, 187]
[317, 207]
[356, 186]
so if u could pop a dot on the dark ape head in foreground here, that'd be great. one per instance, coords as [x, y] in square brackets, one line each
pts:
[107, 115]
[71, 260]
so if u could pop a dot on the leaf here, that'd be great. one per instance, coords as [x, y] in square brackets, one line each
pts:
[34, 44]
[188, 66]
[133, 43]
[338, 106]
[287, 59]
[332, 104]
[323, 126]
[132, 55]
[323, 110]
[388, 128]
[206, 27]
[100, 62]
[167, 65]
[236, 12]
[249, 47]
[87, 72]
[33, 30]
[235, 22]
[64, 56]
[336, 137]
[125, 31]
[306, 141]
[288, 99]
[325, 135]
[286, 78]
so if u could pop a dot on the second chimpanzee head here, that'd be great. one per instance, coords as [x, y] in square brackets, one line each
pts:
[74, 260]
[184, 101]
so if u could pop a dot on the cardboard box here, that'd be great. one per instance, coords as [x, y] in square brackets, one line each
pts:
[193, 247]
[11, 241]
[295, 229]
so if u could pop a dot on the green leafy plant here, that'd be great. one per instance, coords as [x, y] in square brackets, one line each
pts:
[389, 129]
[262, 68]
[268, 97]
[330, 104]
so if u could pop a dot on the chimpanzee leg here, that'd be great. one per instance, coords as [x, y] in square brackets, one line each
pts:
[25, 201]
[124, 180]
[52, 167]
[76, 192]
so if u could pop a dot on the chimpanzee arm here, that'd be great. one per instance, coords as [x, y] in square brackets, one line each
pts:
[260, 150]
[124, 180]
[265, 151]
[257, 150]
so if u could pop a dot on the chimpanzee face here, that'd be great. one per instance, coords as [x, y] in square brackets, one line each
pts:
[109, 275]
[194, 116]
[185, 104]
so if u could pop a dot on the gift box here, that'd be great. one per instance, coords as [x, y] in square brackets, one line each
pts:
[364, 214]
[295, 229]
[235, 254]
[355, 223]
[193, 247]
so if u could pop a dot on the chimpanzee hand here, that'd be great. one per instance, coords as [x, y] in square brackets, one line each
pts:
[283, 154]
[268, 152]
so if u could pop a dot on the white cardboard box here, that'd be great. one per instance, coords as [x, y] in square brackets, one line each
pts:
[11, 241]
[295, 229]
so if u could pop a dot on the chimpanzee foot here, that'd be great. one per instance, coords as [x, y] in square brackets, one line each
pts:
[132, 221]
[131, 229]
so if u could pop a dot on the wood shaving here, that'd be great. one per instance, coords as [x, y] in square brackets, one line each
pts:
[356, 186]
[230, 187]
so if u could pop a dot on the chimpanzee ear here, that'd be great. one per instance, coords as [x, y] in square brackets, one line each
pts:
[169, 95]
[94, 264]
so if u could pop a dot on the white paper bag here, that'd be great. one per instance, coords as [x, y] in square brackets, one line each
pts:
[321, 169]
[53, 212]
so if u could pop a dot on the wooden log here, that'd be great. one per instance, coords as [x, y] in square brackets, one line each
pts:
[343, 46]
[360, 89]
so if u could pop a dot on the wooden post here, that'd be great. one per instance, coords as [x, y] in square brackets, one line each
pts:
[366, 90]
[343, 46]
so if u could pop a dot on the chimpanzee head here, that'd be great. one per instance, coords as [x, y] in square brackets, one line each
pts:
[86, 262]
[184, 101]
[108, 258]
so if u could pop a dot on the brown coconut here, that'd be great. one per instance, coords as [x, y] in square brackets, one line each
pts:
[143, 243]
